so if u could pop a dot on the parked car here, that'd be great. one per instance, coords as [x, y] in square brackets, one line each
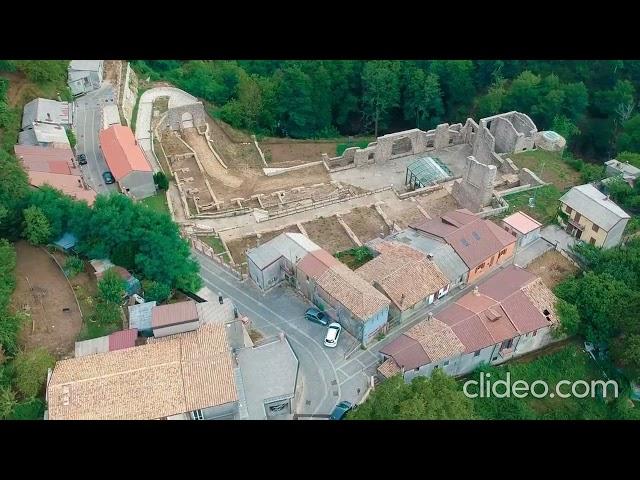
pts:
[82, 159]
[333, 333]
[108, 178]
[341, 410]
[314, 315]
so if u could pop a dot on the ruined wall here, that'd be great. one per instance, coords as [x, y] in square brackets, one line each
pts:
[180, 117]
[505, 135]
[484, 145]
[527, 177]
[475, 189]
[513, 131]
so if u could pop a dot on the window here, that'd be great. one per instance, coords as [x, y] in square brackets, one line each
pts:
[502, 252]
[197, 415]
[435, 367]
[569, 210]
[577, 217]
[592, 241]
[595, 228]
[446, 363]
[416, 369]
[535, 332]
[479, 267]
[477, 353]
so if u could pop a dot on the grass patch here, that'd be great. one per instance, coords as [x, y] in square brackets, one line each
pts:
[94, 329]
[355, 257]
[134, 114]
[341, 147]
[218, 247]
[546, 204]
[570, 363]
[555, 171]
[158, 202]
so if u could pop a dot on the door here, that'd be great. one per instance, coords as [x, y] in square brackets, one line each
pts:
[577, 217]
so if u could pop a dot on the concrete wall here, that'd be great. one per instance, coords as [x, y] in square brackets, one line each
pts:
[269, 276]
[176, 116]
[227, 411]
[475, 189]
[138, 185]
[173, 329]
[614, 236]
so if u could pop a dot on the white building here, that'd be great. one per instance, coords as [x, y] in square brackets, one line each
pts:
[85, 76]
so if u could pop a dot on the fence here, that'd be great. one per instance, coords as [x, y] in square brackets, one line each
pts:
[208, 251]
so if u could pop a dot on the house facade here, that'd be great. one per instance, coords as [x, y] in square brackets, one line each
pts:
[591, 216]
[481, 244]
[508, 315]
[127, 162]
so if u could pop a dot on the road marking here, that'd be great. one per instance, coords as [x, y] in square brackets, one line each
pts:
[270, 323]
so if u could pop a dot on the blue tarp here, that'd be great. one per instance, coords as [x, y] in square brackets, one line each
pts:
[67, 241]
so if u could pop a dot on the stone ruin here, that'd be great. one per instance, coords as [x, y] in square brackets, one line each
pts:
[491, 140]
[185, 116]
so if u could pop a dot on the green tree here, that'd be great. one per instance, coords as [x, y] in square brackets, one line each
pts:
[10, 325]
[14, 187]
[31, 371]
[626, 352]
[436, 398]
[40, 71]
[154, 291]
[106, 313]
[630, 157]
[456, 81]
[491, 103]
[111, 287]
[381, 89]
[569, 318]
[160, 179]
[422, 97]
[629, 139]
[565, 127]
[37, 229]
[295, 100]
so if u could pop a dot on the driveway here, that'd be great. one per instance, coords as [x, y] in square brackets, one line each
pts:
[282, 309]
[557, 236]
[87, 123]
[527, 254]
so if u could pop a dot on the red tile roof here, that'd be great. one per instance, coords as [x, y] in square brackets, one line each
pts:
[121, 151]
[28, 153]
[173, 314]
[123, 339]
[68, 184]
[473, 238]
[407, 352]
[522, 222]
[316, 263]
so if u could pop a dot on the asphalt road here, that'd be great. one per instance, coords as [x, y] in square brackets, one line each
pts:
[282, 309]
[87, 125]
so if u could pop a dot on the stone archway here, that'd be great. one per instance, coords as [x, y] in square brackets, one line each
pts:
[187, 120]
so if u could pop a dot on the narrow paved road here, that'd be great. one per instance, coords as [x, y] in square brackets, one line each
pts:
[281, 309]
[87, 124]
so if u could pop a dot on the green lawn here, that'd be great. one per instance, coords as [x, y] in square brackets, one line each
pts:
[546, 203]
[94, 329]
[570, 363]
[341, 147]
[354, 257]
[158, 202]
[216, 244]
[555, 171]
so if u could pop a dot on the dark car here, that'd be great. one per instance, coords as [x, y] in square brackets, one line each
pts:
[108, 178]
[314, 315]
[82, 159]
[341, 410]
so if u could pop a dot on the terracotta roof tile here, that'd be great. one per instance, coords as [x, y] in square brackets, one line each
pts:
[165, 377]
[436, 338]
[174, 313]
[389, 368]
[121, 152]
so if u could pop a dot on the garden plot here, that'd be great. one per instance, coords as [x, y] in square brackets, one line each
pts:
[43, 294]
[328, 234]
[239, 247]
[366, 223]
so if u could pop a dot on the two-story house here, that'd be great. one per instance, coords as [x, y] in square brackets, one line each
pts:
[591, 216]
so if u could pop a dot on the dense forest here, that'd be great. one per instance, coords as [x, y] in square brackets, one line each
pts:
[592, 103]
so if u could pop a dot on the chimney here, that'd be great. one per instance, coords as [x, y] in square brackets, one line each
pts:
[430, 256]
[402, 299]
[476, 292]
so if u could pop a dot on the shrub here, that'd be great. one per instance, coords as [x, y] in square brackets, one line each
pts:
[106, 313]
[73, 266]
[7, 402]
[155, 291]
[160, 179]
[111, 287]
[31, 371]
[71, 136]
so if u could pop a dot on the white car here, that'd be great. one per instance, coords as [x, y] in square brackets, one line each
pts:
[331, 340]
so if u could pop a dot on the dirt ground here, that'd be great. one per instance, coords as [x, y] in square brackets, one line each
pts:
[44, 297]
[366, 223]
[288, 154]
[238, 247]
[403, 212]
[328, 234]
[111, 68]
[437, 203]
[19, 88]
[552, 268]
[235, 154]
[211, 165]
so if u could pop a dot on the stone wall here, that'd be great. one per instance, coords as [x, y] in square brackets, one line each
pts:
[475, 189]
[182, 117]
